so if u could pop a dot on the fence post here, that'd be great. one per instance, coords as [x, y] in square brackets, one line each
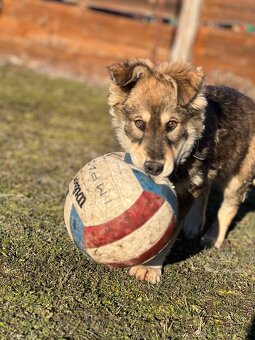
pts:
[188, 24]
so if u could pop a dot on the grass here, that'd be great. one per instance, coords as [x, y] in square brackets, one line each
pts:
[48, 289]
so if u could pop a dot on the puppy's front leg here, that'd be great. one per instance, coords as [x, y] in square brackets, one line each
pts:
[151, 271]
[146, 273]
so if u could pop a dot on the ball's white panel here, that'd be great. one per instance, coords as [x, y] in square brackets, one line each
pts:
[137, 242]
[109, 187]
[67, 212]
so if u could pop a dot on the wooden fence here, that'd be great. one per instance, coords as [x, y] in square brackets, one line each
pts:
[223, 41]
[83, 37]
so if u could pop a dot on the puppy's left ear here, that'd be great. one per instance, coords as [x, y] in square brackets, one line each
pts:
[127, 73]
[189, 80]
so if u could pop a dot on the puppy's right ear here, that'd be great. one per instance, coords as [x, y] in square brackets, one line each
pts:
[127, 73]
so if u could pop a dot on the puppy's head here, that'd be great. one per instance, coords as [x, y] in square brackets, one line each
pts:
[158, 112]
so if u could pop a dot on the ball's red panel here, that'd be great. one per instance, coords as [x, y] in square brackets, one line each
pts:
[130, 220]
[150, 253]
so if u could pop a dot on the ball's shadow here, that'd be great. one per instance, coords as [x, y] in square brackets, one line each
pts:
[183, 249]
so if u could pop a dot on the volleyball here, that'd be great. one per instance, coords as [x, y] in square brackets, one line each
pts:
[116, 214]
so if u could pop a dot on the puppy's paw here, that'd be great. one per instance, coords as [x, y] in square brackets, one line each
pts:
[209, 241]
[146, 273]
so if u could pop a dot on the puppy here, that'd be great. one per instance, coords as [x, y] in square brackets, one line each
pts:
[175, 126]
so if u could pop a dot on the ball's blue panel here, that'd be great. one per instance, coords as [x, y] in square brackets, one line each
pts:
[77, 227]
[127, 158]
[162, 190]
[148, 184]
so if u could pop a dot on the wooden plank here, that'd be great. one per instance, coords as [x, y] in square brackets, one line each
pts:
[226, 50]
[74, 38]
[74, 62]
[79, 23]
[186, 30]
[229, 11]
[137, 7]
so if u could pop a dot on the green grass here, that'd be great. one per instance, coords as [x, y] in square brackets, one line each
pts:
[48, 289]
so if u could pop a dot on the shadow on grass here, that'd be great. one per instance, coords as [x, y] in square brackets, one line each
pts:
[251, 330]
[245, 208]
[183, 249]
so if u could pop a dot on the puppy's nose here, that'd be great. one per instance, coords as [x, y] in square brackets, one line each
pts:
[153, 168]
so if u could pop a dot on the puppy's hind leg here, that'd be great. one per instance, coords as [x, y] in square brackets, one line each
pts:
[233, 195]
[195, 219]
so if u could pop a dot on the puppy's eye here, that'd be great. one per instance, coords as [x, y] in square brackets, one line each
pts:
[140, 124]
[171, 125]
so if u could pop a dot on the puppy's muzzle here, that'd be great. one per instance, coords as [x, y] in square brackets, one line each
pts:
[153, 168]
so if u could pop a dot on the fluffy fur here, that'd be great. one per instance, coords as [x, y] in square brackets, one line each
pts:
[175, 126]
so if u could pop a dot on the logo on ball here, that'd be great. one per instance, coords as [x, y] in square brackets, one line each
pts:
[78, 194]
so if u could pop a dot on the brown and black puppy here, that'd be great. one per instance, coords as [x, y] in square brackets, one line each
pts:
[175, 126]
